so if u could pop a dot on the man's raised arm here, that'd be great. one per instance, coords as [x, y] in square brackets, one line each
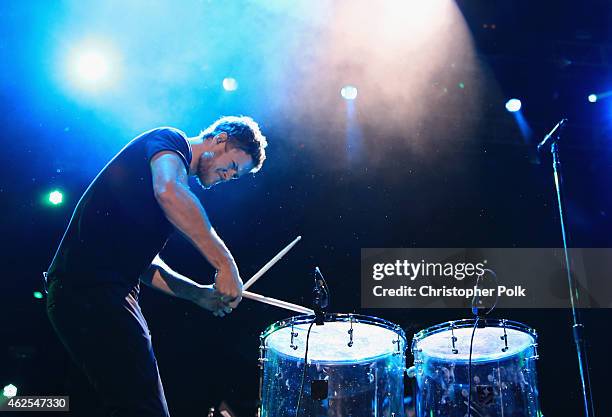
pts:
[186, 213]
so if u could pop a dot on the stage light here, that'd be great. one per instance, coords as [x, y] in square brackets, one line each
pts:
[56, 197]
[593, 98]
[38, 295]
[9, 391]
[230, 84]
[348, 92]
[513, 105]
[91, 66]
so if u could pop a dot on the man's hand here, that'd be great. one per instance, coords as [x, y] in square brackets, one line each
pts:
[229, 285]
[208, 298]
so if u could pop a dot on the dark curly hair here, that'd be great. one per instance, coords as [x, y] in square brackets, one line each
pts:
[243, 133]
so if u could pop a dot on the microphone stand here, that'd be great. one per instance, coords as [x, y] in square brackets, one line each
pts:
[577, 327]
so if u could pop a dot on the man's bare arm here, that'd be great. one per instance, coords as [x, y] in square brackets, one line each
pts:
[186, 213]
[161, 277]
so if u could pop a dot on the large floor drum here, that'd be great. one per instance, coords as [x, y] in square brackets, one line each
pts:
[355, 367]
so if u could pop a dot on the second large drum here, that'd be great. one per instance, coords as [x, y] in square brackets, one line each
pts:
[490, 365]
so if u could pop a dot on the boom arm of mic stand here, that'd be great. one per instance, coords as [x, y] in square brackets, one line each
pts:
[556, 131]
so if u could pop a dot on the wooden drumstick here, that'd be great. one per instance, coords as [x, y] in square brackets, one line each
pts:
[277, 303]
[269, 265]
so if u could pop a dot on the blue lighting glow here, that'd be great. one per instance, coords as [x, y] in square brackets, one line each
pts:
[592, 98]
[91, 66]
[230, 84]
[513, 105]
[348, 92]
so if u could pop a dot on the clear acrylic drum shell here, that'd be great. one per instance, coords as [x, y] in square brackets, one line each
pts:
[365, 379]
[504, 380]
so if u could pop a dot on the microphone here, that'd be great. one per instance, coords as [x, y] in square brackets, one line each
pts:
[320, 295]
[479, 310]
[555, 131]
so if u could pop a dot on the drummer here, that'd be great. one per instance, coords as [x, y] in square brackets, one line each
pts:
[118, 227]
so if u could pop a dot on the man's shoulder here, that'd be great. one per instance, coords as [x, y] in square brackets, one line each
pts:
[165, 138]
[164, 130]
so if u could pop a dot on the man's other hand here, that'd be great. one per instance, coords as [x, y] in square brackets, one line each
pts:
[208, 298]
[229, 285]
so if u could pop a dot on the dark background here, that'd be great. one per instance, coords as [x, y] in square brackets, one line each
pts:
[485, 189]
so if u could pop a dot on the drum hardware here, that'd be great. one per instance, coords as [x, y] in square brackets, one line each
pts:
[504, 337]
[453, 339]
[370, 375]
[319, 389]
[293, 335]
[535, 355]
[397, 342]
[350, 332]
[262, 353]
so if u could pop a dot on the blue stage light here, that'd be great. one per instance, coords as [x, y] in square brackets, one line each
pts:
[513, 105]
[348, 92]
[593, 98]
[230, 84]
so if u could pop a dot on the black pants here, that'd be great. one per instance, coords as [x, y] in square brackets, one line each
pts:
[107, 336]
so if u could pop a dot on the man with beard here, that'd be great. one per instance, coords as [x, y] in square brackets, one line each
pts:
[112, 242]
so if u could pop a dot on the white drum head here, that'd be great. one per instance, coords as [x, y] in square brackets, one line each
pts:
[487, 346]
[329, 343]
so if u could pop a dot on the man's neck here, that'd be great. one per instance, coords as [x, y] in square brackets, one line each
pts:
[198, 147]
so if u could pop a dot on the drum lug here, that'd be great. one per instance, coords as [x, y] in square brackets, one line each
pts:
[504, 337]
[416, 354]
[453, 339]
[293, 335]
[535, 355]
[397, 342]
[262, 353]
[350, 332]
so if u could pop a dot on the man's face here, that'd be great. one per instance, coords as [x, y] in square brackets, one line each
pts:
[224, 164]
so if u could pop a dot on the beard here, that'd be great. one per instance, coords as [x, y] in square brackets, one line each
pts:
[205, 170]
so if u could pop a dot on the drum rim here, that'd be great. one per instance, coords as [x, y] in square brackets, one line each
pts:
[344, 317]
[463, 323]
[334, 317]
